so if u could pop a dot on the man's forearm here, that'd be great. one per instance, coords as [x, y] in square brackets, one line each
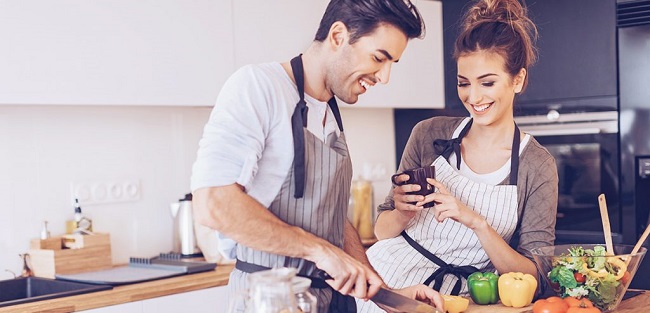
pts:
[353, 245]
[240, 217]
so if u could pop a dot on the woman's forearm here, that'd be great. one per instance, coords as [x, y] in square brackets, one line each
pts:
[390, 224]
[504, 258]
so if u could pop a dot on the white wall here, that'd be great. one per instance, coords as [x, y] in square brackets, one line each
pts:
[44, 148]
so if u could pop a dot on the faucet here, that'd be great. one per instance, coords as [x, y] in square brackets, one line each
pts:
[27, 271]
[12, 272]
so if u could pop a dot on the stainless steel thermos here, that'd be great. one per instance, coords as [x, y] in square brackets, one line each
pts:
[185, 241]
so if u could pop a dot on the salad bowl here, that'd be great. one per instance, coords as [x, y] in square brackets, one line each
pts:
[585, 271]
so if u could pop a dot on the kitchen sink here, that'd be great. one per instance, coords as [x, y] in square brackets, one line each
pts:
[30, 289]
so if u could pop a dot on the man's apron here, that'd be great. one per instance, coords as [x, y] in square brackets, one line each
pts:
[441, 253]
[314, 197]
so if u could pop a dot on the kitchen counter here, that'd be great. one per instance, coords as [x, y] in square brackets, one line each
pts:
[219, 277]
[128, 293]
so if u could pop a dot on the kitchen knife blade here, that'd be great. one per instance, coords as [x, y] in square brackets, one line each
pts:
[400, 303]
[392, 300]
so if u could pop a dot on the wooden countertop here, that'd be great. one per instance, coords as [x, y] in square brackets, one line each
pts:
[127, 293]
[219, 277]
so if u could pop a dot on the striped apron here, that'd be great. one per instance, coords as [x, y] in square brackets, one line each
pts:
[314, 197]
[443, 253]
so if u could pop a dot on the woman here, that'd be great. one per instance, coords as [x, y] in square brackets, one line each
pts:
[494, 183]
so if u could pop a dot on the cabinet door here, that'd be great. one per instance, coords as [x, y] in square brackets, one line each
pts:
[274, 31]
[417, 80]
[131, 307]
[267, 31]
[577, 52]
[211, 300]
[118, 52]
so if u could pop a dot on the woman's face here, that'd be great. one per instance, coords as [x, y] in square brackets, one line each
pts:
[485, 88]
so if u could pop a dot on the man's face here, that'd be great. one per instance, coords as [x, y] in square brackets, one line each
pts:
[368, 61]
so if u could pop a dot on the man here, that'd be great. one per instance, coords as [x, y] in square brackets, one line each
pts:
[273, 171]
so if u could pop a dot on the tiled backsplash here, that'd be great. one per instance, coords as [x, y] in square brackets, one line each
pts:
[45, 148]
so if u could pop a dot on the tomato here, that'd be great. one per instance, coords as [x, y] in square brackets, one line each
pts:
[577, 309]
[550, 305]
[575, 302]
[579, 277]
[626, 277]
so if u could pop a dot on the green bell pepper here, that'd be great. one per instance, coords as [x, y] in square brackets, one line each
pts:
[483, 287]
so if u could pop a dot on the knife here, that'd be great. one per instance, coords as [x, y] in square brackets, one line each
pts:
[393, 300]
[399, 303]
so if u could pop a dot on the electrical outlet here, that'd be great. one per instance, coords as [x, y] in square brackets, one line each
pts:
[106, 191]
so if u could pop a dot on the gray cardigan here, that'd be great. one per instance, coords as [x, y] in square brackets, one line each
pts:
[537, 182]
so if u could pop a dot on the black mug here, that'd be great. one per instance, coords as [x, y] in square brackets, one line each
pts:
[418, 176]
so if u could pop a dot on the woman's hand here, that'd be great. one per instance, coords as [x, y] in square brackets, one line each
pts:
[402, 199]
[447, 206]
[424, 294]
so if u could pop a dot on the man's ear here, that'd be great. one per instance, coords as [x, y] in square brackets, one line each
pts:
[519, 79]
[337, 35]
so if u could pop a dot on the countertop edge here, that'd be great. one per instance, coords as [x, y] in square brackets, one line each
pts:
[128, 293]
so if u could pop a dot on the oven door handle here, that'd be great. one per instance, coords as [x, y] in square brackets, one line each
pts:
[564, 131]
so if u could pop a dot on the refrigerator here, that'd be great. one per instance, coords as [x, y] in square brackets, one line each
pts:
[633, 22]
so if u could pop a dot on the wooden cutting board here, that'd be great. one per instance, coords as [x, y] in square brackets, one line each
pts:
[637, 304]
[496, 308]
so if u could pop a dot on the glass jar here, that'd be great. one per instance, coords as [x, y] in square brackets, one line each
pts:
[305, 301]
[361, 194]
[271, 291]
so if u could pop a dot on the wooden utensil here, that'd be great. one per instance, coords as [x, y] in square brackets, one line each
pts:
[606, 227]
[641, 240]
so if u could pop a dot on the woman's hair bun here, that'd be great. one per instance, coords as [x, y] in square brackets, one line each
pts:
[504, 11]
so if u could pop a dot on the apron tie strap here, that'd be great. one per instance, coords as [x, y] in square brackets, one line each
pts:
[459, 271]
[445, 269]
[445, 147]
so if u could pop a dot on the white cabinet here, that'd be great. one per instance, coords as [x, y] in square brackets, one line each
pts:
[131, 307]
[211, 300]
[417, 80]
[114, 52]
[175, 52]
[267, 31]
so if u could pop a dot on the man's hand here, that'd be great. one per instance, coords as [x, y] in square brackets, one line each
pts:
[349, 276]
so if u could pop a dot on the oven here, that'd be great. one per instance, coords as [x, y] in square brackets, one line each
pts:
[586, 150]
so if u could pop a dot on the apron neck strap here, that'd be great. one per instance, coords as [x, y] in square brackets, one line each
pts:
[299, 121]
[514, 157]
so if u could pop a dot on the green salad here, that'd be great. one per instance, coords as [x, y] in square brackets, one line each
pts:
[589, 273]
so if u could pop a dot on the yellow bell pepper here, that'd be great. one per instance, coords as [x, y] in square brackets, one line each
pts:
[517, 289]
[455, 304]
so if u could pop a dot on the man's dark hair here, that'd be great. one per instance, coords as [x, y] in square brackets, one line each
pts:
[362, 17]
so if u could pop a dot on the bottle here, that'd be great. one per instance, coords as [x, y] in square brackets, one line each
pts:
[306, 302]
[79, 223]
[45, 233]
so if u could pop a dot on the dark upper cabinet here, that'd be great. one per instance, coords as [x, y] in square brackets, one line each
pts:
[577, 54]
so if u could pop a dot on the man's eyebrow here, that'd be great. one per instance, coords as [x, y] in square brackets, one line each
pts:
[388, 56]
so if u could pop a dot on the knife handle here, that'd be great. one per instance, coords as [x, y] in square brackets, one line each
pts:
[323, 275]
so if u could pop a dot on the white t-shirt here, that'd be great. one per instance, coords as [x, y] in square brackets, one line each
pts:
[493, 178]
[248, 138]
